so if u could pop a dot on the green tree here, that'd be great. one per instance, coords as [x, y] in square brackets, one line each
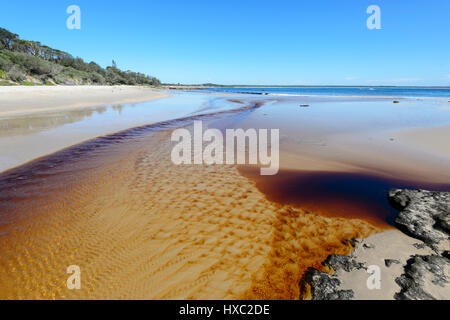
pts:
[7, 38]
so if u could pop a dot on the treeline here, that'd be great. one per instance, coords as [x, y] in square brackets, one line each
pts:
[29, 62]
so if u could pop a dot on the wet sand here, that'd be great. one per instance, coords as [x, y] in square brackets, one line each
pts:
[22, 136]
[434, 140]
[406, 141]
[31, 115]
[340, 157]
[140, 227]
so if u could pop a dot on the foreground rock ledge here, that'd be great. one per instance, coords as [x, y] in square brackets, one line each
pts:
[414, 262]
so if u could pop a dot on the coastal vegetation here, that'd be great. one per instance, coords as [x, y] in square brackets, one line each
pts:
[32, 63]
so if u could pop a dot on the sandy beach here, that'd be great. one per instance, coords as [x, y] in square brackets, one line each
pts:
[228, 160]
[30, 115]
[20, 100]
[141, 227]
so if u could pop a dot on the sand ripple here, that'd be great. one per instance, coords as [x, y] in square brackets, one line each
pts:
[141, 228]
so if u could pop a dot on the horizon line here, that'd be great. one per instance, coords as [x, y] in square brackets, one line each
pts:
[297, 86]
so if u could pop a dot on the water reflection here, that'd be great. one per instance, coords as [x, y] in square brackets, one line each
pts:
[33, 123]
[23, 138]
[353, 135]
[336, 194]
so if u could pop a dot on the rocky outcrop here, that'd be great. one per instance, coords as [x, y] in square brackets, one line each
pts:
[424, 215]
[325, 287]
[413, 265]
[339, 262]
[425, 278]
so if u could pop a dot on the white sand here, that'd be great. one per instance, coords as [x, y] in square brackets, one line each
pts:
[20, 100]
[48, 107]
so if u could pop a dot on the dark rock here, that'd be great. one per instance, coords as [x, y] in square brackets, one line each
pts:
[368, 246]
[424, 215]
[420, 273]
[419, 245]
[443, 221]
[337, 262]
[304, 105]
[396, 101]
[325, 287]
[390, 262]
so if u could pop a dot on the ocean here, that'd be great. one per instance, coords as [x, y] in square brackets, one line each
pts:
[430, 92]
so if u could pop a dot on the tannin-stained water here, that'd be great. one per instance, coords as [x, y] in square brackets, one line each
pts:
[336, 194]
[141, 227]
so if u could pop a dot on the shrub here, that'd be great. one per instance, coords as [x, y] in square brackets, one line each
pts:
[5, 63]
[19, 58]
[36, 65]
[55, 69]
[16, 74]
[97, 78]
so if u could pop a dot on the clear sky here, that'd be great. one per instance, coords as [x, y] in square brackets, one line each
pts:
[250, 41]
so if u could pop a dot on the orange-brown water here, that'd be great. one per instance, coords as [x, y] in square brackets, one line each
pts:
[336, 194]
[140, 227]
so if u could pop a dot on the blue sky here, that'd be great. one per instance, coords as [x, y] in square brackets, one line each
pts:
[250, 42]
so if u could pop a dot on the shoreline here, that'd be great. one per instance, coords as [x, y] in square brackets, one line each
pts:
[16, 101]
[305, 86]
[172, 232]
[373, 97]
[420, 139]
[53, 107]
[206, 91]
[152, 218]
[313, 95]
[413, 138]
